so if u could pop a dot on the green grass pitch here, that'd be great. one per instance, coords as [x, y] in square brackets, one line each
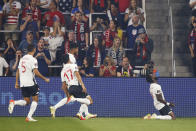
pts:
[98, 124]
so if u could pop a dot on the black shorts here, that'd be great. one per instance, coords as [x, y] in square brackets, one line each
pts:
[30, 91]
[76, 91]
[165, 110]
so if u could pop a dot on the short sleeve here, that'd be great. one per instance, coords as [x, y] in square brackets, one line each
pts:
[34, 64]
[127, 11]
[5, 64]
[62, 76]
[158, 90]
[75, 68]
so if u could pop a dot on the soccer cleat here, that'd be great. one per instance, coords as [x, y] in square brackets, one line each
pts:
[154, 116]
[11, 106]
[70, 99]
[147, 117]
[30, 119]
[52, 111]
[89, 116]
[80, 116]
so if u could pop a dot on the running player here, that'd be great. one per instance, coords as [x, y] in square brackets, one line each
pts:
[160, 103]
[27, 69]
[71, 80]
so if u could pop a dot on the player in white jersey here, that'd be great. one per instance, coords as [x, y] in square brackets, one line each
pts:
[27, 69]
[160, 103]
[71, 80]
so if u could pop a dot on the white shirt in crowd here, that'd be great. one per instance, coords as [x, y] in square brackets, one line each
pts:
[132, 14]
[26, 66]
[191, 1]
[68, 74]
[3, 64]
[154, 90]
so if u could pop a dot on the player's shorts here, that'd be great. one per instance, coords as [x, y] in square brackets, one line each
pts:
[76, 91]
[165, 110]
[30, 91]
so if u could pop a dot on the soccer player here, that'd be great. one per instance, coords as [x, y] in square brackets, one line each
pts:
[160, 103]
[71, 80]
[27, 69]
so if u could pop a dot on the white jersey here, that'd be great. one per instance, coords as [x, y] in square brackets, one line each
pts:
[3, 64]
[154, 90]
[68, 74]
[72, 58]
[26, 65]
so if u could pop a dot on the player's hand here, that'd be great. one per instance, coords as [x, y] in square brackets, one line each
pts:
[17, 86]
[171, 104]
[47, 80]
[84, 90]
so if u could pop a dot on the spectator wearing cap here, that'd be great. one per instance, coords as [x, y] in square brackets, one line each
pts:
[53, 15]
[43, 58]
[192, 46]
[3, 65]
[134, 10]
[109, 34]
[15, 62]
[82, 9]
[142, 50]
[29, 24]
[11, 12]
[24, 43]
[36, 13]
[125, 69]
[114, 14]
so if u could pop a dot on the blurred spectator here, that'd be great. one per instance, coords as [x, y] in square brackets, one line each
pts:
[192, 46]
[24, 3]
[3, 65]
[86, 70]
[65, 48]
[56, 40]
[24, 43]
[11, 12]
[142, 50]
[134, 10]
[81, 34]
[36, 13]
[108, 69]
[133, 31]
[66, 5]
[122, 4]
[82, 9]
[43, 58]
[98, 25]
[53, 15]
[15, 62]
[1, 17]
[116, 52]
[46, 37]
[10, 50]
[44, 5]
[114, 14]
[99, 5]
[192, 4]
[125, 69]
[29, 24]
[109, 34]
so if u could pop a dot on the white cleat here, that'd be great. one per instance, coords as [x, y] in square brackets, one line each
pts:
[154, 116]
[11, 106]
[52, 111]
[89, 116]
[30, 119]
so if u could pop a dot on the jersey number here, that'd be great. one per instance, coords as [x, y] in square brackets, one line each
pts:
[24, 68]
[66, 75]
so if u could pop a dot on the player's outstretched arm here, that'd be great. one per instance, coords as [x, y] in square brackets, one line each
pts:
[80, 81]
[17, 76]
[37, 73]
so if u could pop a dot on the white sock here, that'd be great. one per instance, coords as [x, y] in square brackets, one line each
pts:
[20, 102]
[32, 108]
[83, 101]
[81, 109]
[61, 103]
[166, 117]
[85, 109]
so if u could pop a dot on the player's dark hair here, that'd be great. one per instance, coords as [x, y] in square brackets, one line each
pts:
[65, 58]
[30, 47]
[73, 46]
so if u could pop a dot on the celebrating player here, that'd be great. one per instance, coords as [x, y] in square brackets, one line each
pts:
[27, 69]
[71, 80]
[160, 103]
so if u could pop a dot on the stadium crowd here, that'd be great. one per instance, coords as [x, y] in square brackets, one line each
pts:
[119, 40]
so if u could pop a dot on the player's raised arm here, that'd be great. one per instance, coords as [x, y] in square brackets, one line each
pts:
[80, 81]
[37, 73]
[17, 76]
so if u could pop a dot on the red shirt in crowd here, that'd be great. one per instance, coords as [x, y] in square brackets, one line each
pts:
[51, 18]
[107, 72]
[108, 36]
[36, 13]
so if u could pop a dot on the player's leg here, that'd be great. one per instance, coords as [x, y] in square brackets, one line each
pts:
[165, 114]
[172, 115]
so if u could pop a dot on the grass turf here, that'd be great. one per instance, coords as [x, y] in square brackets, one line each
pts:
[98, 124]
